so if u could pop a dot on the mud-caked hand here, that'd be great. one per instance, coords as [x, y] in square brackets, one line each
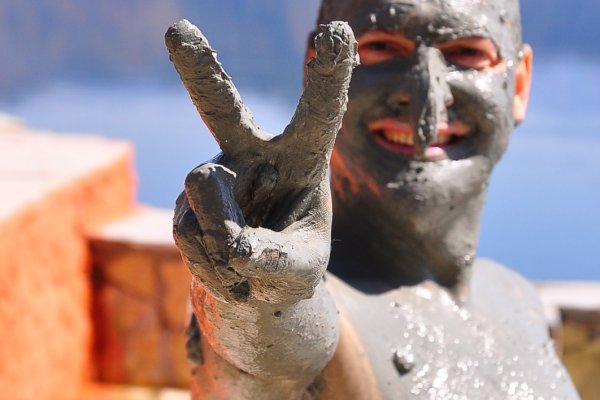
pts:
[254, 225]
[256, 222]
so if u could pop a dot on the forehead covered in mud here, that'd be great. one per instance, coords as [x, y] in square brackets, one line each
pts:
[432, 20]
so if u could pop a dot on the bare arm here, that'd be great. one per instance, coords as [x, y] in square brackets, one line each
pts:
[254, 226]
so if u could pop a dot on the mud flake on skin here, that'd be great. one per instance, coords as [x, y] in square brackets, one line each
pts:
[404, 360]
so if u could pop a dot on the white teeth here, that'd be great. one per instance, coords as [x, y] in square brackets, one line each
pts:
[399, 137]
[407, 139]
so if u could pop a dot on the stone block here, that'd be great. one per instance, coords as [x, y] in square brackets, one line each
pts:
[577, 306]
[54, 188]
[140, 300]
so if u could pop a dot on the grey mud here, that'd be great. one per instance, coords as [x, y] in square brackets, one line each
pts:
[408, 310]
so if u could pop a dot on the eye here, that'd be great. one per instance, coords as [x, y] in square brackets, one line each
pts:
[473, 53]
[377, 47]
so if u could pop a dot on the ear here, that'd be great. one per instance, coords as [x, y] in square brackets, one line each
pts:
[310, 53]
[522, 84]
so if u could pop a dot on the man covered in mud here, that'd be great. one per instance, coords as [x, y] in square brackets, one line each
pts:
[407, 311]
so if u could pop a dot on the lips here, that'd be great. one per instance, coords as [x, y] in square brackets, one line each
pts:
[398, 136]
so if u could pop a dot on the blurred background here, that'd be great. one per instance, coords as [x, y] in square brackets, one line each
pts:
[101, 67]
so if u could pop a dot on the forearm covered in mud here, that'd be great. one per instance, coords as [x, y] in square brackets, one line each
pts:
[259, 349]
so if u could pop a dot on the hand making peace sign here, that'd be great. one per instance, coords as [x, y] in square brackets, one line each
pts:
[256, 221]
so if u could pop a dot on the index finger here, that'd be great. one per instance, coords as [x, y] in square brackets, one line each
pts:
[318, 116]
[211, 89]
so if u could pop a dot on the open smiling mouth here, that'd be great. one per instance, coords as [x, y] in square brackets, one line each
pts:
[398, 136]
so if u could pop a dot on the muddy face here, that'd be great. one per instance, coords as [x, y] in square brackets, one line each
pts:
[430, 114]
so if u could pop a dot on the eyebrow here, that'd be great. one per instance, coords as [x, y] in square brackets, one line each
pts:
[469, 39]
[396, 35]
[386, 34]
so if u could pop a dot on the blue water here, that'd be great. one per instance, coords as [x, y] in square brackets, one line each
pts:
[543, 212]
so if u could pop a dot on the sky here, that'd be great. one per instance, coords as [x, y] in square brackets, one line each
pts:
[542, 216]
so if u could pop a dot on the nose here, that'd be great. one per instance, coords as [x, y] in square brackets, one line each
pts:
[426, 94]
[430, 95]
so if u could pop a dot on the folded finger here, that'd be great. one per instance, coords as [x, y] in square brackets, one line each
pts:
[188, 237]
[209, 189]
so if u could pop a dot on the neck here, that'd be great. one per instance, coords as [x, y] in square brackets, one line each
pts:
[375, 249]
